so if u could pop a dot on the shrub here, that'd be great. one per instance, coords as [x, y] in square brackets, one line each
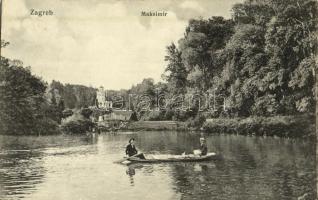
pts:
[180, 115]
[168, 114]
[152, 116]
[47, 126]
[283, 126]
[77, 126]
[67, 113]
[196, 122]
[86, 112]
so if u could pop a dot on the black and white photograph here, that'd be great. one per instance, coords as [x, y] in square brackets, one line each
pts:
[158, 100]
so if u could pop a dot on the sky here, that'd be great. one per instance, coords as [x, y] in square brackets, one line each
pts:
[99, 42]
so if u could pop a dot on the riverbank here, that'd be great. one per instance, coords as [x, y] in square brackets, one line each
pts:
[156, 126]
[301, 126]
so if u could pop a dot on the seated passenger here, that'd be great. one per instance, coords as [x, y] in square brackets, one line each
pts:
[203, 147]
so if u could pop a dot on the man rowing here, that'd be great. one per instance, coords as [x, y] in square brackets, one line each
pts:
[132, 151]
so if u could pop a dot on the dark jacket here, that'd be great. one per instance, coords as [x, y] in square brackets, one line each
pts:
[204, 149]
[131, 150]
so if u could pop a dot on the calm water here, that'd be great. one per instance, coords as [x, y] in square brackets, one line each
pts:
[73, 167]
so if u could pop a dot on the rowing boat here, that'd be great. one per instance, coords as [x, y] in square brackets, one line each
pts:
[173, 158]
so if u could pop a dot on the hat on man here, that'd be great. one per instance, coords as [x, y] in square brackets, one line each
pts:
[131, 139]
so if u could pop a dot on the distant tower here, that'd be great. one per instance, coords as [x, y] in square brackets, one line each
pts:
[102, 101]
[101, 98]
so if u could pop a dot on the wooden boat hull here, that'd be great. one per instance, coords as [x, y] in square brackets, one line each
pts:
[188, 158]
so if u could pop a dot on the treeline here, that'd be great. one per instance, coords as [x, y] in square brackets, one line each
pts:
[262, 60]
[72, 96]
[24, 108]
[28, 105]
[259, 63]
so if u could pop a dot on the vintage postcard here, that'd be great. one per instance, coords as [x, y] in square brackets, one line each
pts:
[158, 100]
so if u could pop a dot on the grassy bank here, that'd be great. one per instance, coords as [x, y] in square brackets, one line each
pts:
[156, 125]
[300, 126]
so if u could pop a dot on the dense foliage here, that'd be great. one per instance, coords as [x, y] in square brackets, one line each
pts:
[23, 104]
[261, 61]
[293, 126]
[78, 123]
[73, 96]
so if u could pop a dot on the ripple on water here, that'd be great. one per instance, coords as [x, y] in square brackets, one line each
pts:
[66, 167]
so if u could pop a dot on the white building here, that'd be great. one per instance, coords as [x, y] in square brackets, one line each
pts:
[101, 98]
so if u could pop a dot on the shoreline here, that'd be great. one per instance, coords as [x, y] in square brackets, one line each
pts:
[295, 126]
[299, 126]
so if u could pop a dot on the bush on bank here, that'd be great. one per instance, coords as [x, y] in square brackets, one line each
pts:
[282, 126]
[196, 122]
[76, 124]
[47, 126]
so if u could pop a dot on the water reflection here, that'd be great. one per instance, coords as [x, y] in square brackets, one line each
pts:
[73, 167]
[21, 170]
[251, 169]
[131, 173]
[21, 161]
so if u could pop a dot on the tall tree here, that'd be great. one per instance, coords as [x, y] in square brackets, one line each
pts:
[22, 101]
[176, 72]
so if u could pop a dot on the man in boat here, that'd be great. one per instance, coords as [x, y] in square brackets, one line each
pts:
[203, 147]
[132, 151]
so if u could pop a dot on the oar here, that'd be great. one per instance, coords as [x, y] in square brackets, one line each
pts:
[121, 160]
